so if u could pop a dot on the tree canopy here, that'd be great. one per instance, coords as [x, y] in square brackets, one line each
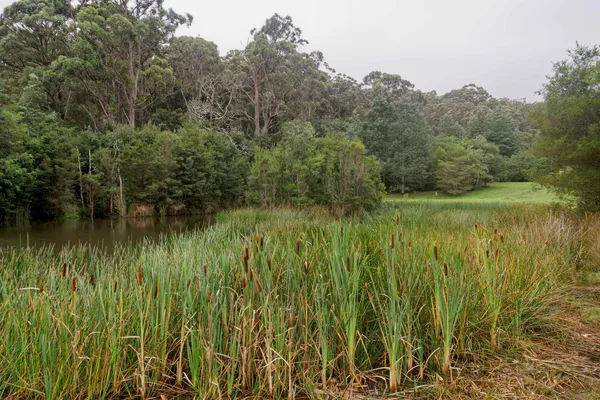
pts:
[107, 112]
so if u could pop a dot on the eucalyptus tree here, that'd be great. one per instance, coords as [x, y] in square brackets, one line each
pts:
[116, 65]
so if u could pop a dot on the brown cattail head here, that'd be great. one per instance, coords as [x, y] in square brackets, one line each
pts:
[115, 286]
[246, 264]
[262, 241]
[251, 275]
[495, 231]
[92, 280]
[64, 270]
[348, 263]
[487, 253]
[269, 264]
[243, 283]
[400, 290]
[476, 226]
[435, 252]
[204, 269]
[140, 277]
[393, 241]
[298, 247]
[446, 269]
[501, 238]
[246, 253]
[208, 295]
[497, 252]
[73, 284]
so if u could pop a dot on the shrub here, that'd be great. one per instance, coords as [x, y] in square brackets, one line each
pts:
[332, 171]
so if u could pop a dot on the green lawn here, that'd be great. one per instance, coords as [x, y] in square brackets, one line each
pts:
[497, 192]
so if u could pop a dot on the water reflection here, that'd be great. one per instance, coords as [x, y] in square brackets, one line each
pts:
[105, 233]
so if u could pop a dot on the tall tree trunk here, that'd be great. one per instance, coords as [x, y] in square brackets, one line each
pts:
[122, 208]
[133, 89]
[256, 104]
[90, 190]
[80, 179]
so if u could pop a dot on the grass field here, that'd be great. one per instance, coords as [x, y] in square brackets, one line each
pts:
[505, 192]
[423, 299]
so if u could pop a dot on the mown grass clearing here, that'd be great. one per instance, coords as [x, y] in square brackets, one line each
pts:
[287, 304]
[508, 192]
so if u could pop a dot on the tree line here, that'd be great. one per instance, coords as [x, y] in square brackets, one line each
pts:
[106, 112]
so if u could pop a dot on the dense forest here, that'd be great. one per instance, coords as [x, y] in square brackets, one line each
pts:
[104, 111]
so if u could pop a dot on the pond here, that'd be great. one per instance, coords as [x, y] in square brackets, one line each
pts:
[103, 233]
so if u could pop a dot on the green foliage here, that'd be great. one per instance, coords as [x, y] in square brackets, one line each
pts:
[502, 131]
[396, 133]
[460, 167]
[303, 170]
[569, 121]
[286, 304]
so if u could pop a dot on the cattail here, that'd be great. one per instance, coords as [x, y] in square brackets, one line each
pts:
[42, 287]
[498, 252]
[501, 238]
[495, 231]
[156, 290]
[115, 286]
[92, 280]
[262, 241]
[487, 253]
[246, 264]
[74, 284]
[435, 252]
[476, 226]
[400, 290]
[251, 276]
[306, 266]
[298, 247]
[269, 263]
[348, 263]
[446, 269]
[208, 295]
[204, 269]
[64, 270]
[246, 253]
[243, 283]
[258, 287]
[393, 241]
[140, 277]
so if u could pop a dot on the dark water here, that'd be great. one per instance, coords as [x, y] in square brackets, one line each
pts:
[104, 233]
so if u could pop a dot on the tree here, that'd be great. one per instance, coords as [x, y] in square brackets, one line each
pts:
[459, 167]
[331, 171]
[502, 131]
[569, 121]
[33, 34]
[116, 59]
[396, 133]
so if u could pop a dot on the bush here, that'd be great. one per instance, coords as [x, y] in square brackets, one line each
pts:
[302, 170]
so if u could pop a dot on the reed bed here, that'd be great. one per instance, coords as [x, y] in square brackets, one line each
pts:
[283, 304]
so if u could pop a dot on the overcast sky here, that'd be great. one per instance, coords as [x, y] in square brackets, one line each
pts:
[506, 46]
